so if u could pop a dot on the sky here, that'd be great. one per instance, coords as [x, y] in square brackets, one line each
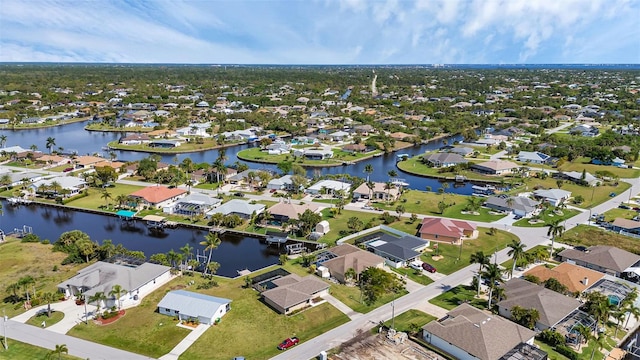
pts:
[321, 31]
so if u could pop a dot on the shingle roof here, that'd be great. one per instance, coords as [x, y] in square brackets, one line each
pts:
[626, 223]
[446, 158]
[496, 165]
[554, 194]
[350, 256]
[570, 275]
[480, 333]
[157, 193]
[551, 306]
[519, 203]
[445, 227]
[292, 290]
[239, 207]
[290, 210]
[192, 304]
[608, 257]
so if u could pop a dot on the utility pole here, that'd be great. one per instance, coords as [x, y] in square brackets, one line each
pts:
[393, 313]
[4, 328]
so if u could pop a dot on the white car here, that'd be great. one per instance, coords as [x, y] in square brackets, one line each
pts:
[416, 265]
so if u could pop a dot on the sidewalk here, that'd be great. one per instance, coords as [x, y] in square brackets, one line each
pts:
[183, 345]
[341, 306]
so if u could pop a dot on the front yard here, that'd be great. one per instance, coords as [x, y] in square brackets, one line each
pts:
[546, 217]
[350, 296]
[458, 295]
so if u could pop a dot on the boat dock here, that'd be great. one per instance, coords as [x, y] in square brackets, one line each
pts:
[15, 201]
[155, 222]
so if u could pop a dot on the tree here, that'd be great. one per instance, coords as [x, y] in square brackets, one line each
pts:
[213, 267]
[106, 196]
[285, 167]
[98, 298]
[599, 342]
[516, 252]
[24, 282]
[368, 168]
[598, 306]
[49, 297]
[629, 304]
[117, 291]
[555, 230]
[3, 140]
[493, 274]
[58, 351]
[350, 275]
[375, 282]
[51, 142]
[210, 243]
[307, 221]
[584, 333]
[481, 259]
[400, 209]
[555, 285]
[187, 253]
[355, 224]
[283, 259]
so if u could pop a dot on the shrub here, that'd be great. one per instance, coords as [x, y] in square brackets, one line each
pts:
[567, 351]
[207, 285]
[45, 242]
[551, 337]
[30, 238]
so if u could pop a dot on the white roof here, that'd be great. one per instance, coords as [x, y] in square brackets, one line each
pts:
[330, 184]
[238, 206]
[192, 304]
[67, 182]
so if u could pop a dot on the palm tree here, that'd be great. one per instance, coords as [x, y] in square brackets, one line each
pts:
[584, 333]
[3, 140]
[211, 242]
[445, 186]
[106, 196]
[600, 342]
[555, 229]
[58, 351]
[49, 297]
[629, 304]
[213, 267]
[371, 185]
[25, 282]
[117, 291]
[481, 259]
[369, 170]
[51, 142]
[98, 298]
[516, 252]
[392, 173]
[187, 252]
[493, 274]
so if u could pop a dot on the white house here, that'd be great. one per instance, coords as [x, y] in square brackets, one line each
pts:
[187, 305]
[553, 196]
[69, 185]
[195, 130]
[534, 157]
[331, 187]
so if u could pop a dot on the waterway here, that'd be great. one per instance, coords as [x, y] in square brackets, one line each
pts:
[234, 253]
[73, 137]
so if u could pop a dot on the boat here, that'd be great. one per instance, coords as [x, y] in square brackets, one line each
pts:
[377, 154]
[399, 182]
[460, 178]
[402, 157]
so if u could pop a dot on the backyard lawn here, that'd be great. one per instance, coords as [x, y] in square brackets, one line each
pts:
[23, 351]
[546, 217]
[34, 259]
[589, 236]
[338, 223]
[415, 166]
[485, 242]
[458, 295]
[403, 321]
[339, 156]
[95, 201]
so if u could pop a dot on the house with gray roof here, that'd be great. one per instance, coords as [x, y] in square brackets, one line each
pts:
[17, 178]
[534, 157]
[188, 305]
[195, 204]
[552, 196]
[469, 333]
[293, 292]
[495, 167]
[607, 259]
[242, 208]
[138, 280]
[519, 205]
[462, 151]
[283, 183]
[576, 177]
[552, 306]
[68, 186]
[398, 251]
[443, 159]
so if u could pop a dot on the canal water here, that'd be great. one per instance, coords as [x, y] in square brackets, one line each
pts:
[73, 137]
[234, 253]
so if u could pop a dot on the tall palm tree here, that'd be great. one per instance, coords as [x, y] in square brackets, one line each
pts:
[58, 351]
[25, 282]
[481, 259]
[371, 185]
[629, 305]
[187, 252]
[117, 291]
[98, 298]
[49, 297]
[211, 242]
[3, 140]
[516, 252]
[555, 230]
[493, 274]
[369, 170]
[51, 142]
[106, 196]
[600, 341]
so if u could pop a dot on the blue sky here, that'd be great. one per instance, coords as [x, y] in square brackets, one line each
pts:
[322, 31]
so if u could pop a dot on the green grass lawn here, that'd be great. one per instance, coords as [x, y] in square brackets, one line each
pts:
[415, 166]
[485, 242]
[192, 146]
[615, 213]
[339, 156]
[415, 275]
[426, 203]
[350, 296]
[155, 334]
[34, 259]
[583, 163]
[589, 236]
[403, 321]
[338, 223]
[456, 296]
[547, 217]
[96, 202]
[23, 351]
[207, 186]
[37, 320]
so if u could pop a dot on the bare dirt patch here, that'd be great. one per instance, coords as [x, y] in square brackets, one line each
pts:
[375, 347]
[436, 258]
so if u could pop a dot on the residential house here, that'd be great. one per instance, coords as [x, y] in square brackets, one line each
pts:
[328, 187]
[314, 153]
[379, 192]
[85, 162]
[67, 186]
[625, 226]
[519, 205]
[286, 210]
[189, 306]
[585, 130]
[242, 208]
[495, 167]
[139, 279]
[577, 177]
[534, 157]
[613, 162]
[355, 148]
[23, 178]
[552, 306]
[135, 139]
[339, 136]
[347, 256]
[447, 230]
[195, 129]
[292, 292]
[53, 160]
[607, 259]
[468, 333]
[278, 147]
[398, 251]
[195, 204]
[165, 143]
[575, 278]
[283, 183]
[444, 159]
[462, 151]
[157, 196]
[554, 197]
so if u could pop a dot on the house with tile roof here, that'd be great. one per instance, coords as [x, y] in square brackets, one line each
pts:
[158, 196]
[469, 333]
[447, 230]
[87, 161]
[607, 259]
[379, 192]
[348, 257]
[575, 278]
[283, 211]
[553, 307]
[293, 292]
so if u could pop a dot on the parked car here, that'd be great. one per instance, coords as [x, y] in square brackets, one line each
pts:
[239, 194]
[272, 191]
[416, 265]
[287, 343]
[428, 267]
